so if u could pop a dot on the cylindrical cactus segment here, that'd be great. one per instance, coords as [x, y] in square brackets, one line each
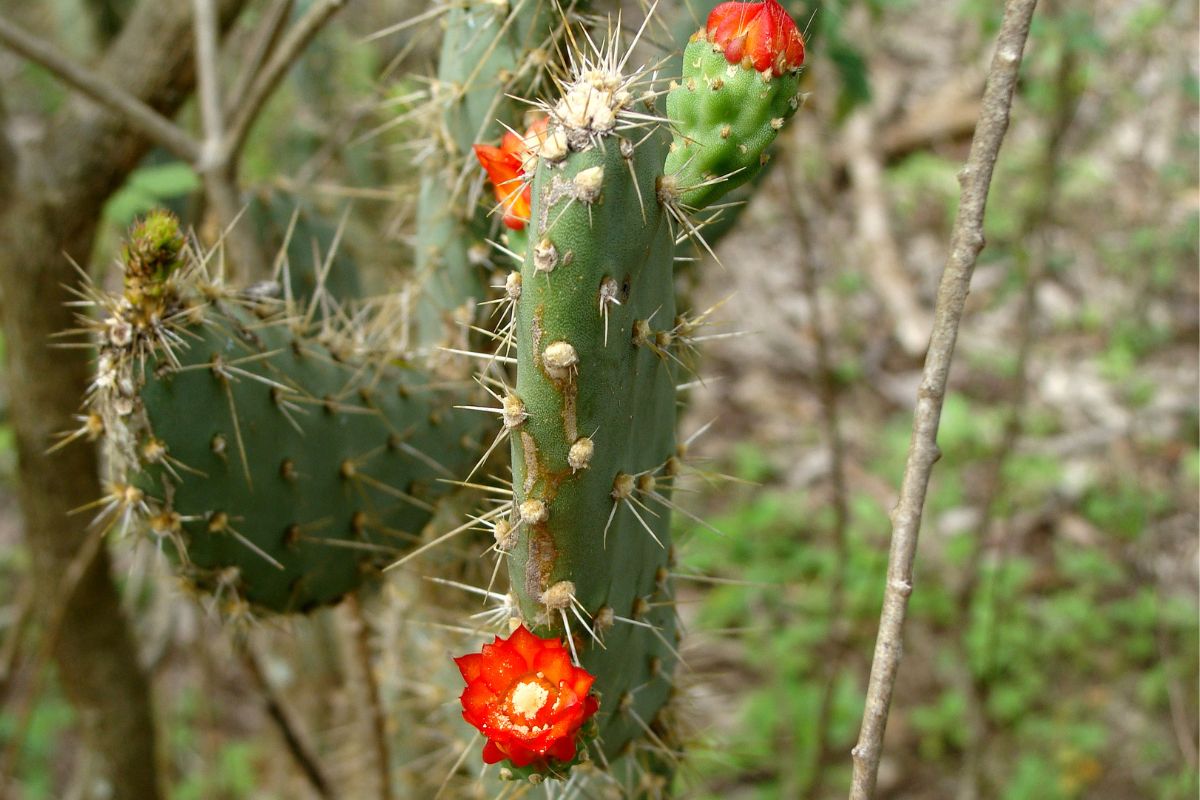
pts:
[739, 86]
[592, 455]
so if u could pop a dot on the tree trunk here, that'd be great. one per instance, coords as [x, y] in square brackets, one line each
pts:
[51, 196]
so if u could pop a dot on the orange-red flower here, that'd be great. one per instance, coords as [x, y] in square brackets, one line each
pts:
[506, 166]
[524, 694]
[757, 34]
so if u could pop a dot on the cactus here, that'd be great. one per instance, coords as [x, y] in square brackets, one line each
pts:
[600, 350]
[739, 86]
[490, 50]
[284, 455]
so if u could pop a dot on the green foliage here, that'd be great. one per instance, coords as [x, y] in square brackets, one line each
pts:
[148, 187]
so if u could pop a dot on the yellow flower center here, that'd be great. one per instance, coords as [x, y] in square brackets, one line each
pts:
[528, 698]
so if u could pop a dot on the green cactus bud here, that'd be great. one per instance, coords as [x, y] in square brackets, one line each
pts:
[739, 86]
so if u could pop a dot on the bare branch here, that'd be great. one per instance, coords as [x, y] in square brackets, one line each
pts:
[361, 631]
[296, 742]
[965, 244]
[208, 86]
[280, 62]
[835, 644]
[260, 47]
[152, 124]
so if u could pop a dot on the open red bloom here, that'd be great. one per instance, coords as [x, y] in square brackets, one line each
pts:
[758, 34]
[524, 694]
[505, 166]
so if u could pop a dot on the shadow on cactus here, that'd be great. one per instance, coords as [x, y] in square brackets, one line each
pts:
[284, 453]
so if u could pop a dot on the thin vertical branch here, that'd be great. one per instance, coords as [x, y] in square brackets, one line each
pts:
[965, 245]
[213, 164]
[208, 86]
[378, 717]
[297, 745]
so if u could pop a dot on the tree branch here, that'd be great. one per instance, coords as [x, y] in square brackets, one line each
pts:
[268, 78]
[965, 244]
[141, 116]
[208, 85]
[297, 744]
[259, 49]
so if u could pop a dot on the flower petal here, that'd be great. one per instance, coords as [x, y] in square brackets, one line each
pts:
[501, 665]
[469, 665]
[760, 34]
[527, 645]
[492, 754]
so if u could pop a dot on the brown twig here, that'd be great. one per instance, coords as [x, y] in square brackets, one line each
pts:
[378, 717]
[965, 244]
[297, 745]
[90, 82]
[280, 61]
[213, 164]
[259, 48]
[41, 657]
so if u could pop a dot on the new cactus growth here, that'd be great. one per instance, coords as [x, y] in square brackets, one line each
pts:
[285, 456]
[739, 86]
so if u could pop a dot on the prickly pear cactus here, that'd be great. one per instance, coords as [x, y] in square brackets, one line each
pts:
[284, 456]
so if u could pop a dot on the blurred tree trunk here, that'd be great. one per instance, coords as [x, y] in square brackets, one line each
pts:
[51, 196]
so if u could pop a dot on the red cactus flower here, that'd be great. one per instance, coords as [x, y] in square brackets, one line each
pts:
[506, 167]
[524, 694]
[761, 35]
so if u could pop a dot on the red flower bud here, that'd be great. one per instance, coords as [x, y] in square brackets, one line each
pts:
[761, 35]
[524, 694]
[505, 166]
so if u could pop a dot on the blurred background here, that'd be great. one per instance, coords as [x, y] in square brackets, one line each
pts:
[1052, 645]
